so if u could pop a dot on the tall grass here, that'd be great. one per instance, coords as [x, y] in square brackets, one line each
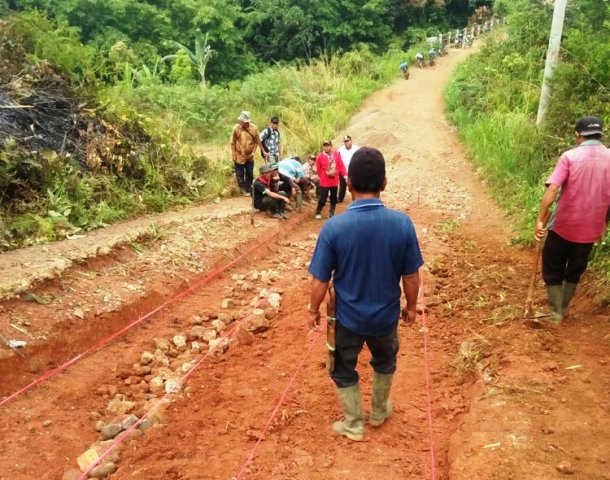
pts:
[313, 102]
[492, 99]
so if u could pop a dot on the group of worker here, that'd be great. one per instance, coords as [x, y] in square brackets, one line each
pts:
[320, 178]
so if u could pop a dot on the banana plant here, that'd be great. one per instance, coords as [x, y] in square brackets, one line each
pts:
[199, 58]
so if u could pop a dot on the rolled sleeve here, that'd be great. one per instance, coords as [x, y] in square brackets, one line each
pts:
[561, 172]
[323, 262]
[413, 259]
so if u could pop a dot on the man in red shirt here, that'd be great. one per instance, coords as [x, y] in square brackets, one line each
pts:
[329, 167]
[581, 179]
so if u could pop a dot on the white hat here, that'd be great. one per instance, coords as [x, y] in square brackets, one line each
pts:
[244, 117]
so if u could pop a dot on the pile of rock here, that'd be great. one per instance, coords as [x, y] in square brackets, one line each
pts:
[144, 386]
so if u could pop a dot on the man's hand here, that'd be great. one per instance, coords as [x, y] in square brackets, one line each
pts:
[314, 320]
[540, 231]
[408, 316]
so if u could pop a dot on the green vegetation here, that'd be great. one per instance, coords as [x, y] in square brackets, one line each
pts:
[110, 110]
[493, 99]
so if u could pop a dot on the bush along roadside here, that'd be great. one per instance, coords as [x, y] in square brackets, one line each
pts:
[493, 100]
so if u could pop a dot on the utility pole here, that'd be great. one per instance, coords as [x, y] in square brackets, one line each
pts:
[552, 55]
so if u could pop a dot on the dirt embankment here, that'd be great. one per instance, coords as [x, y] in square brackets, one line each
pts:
[503, 401]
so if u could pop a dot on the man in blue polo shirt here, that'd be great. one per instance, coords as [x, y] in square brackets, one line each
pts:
[367, 252]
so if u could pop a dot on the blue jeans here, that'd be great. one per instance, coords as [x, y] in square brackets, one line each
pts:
[348, 345]
[245, 175]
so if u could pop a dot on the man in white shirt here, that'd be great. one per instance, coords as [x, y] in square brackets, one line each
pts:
[346, 151]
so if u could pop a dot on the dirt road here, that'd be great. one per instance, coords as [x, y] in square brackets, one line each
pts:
[503, 401]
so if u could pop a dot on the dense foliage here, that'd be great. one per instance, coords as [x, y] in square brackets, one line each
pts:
[246, 35]
[494, 97]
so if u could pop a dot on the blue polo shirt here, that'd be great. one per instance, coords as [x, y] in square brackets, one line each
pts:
[366, 251]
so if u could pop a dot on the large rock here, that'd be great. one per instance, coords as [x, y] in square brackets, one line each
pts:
[198, 331]
[162, 344]
[209, 335]
[218, 326]
[146, 358]
[180, 342]
[103, 470]
[110, 431]
[226, 318]
[274, 299]
[257, 322]
[156, 385]
[243, 336]
[161, 359]
[119, 406]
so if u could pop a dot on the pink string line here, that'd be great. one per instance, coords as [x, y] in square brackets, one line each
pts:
[101, 343]
[428, 383]
[119, 439]
[426, 331]
[280, 402]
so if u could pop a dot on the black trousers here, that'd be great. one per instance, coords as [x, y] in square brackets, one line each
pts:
[348, 346]
[324, 193]
[245, 175]
[272, 205]
[342, 189]
[563, 260]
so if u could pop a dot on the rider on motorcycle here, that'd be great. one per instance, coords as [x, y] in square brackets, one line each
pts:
[419, 56]
[432, 55]
[404, 68]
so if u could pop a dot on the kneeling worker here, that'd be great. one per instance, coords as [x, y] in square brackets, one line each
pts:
[264, 198]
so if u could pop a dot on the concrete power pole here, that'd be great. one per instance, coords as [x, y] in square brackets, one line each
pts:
[552, 55]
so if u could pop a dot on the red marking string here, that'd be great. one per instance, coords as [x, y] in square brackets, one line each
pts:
[280, 402]
[426, 331]
[119, 439]
[428, 384]
[101, 343]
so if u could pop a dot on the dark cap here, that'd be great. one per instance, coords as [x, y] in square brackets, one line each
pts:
[275, 120]
[589, 125]
[327, 142]
[346, 138]
[367, 170]
[264, 168]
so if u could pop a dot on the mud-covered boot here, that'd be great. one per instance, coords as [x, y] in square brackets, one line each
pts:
[555, 294]
[299, 201]
[332, 211]
[381, 405]
[569, 289]
[352, 426]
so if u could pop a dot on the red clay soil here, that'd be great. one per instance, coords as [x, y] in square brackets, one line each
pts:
[504, 400]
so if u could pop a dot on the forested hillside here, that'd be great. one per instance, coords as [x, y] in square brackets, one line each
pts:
[245, 36]
[112, 109]
[494, 100]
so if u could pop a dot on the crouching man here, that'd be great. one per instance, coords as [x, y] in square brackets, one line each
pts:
[368, 252]
[265, 198]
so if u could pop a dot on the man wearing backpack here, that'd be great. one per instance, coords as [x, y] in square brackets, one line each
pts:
[244, 141]
[329, 167]
[271, 146]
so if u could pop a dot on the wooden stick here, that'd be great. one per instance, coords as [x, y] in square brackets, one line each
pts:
[14, 107]
[530, 292]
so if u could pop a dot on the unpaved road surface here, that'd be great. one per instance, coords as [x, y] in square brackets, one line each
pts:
[477, 395]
